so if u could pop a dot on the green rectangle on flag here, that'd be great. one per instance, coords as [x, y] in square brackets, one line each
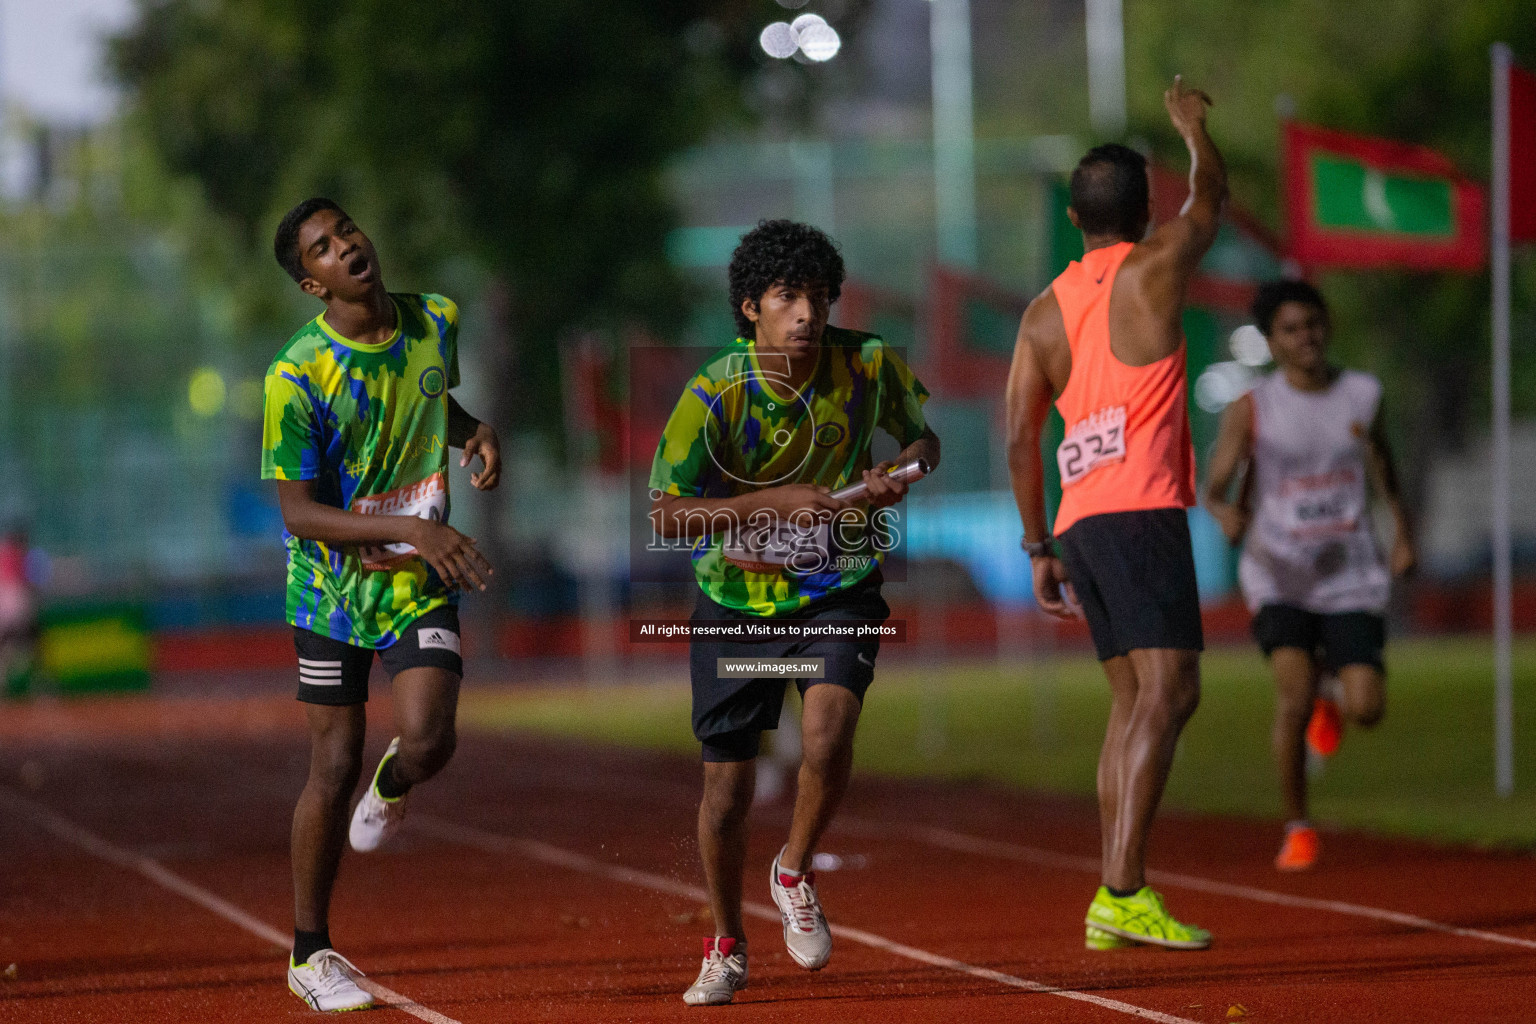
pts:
[1352, 195]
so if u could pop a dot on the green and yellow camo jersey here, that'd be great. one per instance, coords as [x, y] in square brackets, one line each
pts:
[368, 424]
[737, 428]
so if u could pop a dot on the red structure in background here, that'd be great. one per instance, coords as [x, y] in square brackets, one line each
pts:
[965, 371]
[596, 422]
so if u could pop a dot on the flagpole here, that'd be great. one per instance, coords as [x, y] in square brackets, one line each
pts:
[1503, 711]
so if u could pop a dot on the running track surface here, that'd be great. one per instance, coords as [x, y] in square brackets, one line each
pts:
[146, 879]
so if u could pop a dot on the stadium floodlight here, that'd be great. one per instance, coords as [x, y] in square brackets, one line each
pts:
[820, 42]
[778, 40]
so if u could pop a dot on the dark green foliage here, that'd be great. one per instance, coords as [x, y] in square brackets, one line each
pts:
[527, 137]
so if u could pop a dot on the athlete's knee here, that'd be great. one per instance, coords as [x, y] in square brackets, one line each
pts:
[335, 750]
[1365, 702]
[425, 752]
[1183, 704]
[826, 727]
[1292, 711]
[334, 770]
[727, 794]
[1180, 694]
[825, 760]
[826, 751]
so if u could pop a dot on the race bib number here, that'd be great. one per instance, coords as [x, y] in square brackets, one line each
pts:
[1322, 505]
[425, 500]
[1095, 441]
[776, 546]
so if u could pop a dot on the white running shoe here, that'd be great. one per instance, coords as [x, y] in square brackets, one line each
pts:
[326, 983]
[723, 974]
[806, 934]
[377, 817]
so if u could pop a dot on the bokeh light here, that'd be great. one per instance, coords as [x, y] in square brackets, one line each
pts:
[778, 40]
[1249, 346]
[206, 392]
[1222, 384]
[820, 42]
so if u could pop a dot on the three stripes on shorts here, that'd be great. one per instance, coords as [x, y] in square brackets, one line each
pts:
[319, 673]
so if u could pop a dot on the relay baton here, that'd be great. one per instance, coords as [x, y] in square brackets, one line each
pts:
[906, 473]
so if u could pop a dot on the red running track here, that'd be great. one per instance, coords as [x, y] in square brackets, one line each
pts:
[546, 881]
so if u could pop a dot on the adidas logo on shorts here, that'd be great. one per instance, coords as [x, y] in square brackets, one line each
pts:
[436, 637]
[319, 673]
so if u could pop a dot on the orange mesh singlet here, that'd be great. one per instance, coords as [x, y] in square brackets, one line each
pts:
[1128, 445]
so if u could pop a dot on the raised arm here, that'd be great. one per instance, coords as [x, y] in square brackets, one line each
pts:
[1233, 451]
[1191, 233]
[1146, 312]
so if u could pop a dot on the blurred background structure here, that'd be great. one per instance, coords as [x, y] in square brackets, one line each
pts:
[576, 174]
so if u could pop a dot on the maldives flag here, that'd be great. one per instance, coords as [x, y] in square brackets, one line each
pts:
[1359, 201]
[1522, 155]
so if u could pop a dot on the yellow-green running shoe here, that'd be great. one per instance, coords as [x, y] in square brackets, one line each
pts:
[1100, 940]
[1142, 918]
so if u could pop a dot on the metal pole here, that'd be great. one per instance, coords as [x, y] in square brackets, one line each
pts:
[1106, 67]
[954, 138]
[1503, 708]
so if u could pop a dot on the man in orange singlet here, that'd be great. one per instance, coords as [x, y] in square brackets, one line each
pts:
[1105, 341]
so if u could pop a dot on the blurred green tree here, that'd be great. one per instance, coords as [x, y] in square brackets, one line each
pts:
[529, 138]
[1416, 70]
[514, 150]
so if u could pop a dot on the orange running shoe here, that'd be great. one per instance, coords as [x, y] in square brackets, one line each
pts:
[1326, 727]
[1300, 850]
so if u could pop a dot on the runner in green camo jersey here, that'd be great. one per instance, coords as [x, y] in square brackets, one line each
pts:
[357, 426]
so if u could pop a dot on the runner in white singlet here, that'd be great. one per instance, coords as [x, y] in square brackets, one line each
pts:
[1311, 570]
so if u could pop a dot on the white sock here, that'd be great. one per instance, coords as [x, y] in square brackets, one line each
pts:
[781, 869]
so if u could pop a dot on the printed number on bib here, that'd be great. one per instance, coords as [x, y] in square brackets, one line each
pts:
[765, 546]
[425, 500]
[1092, 442]
[1324, 504]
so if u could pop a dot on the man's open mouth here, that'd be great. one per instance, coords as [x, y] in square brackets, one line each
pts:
[359, 265]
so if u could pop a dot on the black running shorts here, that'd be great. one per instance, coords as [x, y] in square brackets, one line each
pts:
[1134, 573]
[334, 672]
[729, 715]
[1336, 640]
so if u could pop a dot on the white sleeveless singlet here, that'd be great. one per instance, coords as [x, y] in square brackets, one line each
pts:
[1310, 542]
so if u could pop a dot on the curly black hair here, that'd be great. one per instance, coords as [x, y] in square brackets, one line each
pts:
[1274, 293]
[781, 251]
[285, 246]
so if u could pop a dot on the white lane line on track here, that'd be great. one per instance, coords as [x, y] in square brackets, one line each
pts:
[533, 849]
[158, 873]
[962, 843]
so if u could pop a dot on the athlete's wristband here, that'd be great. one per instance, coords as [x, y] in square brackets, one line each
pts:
[1038, 548]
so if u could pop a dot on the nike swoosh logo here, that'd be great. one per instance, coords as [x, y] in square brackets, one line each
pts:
[1100, 279]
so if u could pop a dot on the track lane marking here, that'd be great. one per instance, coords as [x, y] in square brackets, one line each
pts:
[962, 843]
[533, 849]
[959, 842]
[62, 828]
